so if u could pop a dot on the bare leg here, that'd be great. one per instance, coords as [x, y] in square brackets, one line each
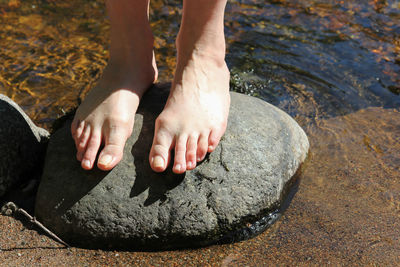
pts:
[195, 115]
[107, 114]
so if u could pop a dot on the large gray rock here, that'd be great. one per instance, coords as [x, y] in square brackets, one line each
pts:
[22, 145]
[132, 207]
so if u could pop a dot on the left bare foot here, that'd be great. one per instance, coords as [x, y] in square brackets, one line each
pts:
[195, 115]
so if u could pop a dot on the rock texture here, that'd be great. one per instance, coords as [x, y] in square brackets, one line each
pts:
[22, 145]
[131, 207]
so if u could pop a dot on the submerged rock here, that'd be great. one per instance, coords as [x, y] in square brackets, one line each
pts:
[22, 145]
[132, 207]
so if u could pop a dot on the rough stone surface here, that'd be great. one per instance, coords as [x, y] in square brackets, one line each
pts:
[132, 207]
[22, 145]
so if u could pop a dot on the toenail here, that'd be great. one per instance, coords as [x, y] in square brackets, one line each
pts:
[189, 164]
[178, 167]
[198, 159]
[105, 160]
[86, 163]
[210, 147]
[158, 162]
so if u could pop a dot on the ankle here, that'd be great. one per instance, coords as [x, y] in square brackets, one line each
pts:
[123, 75]
[130, 51]
[213, 51]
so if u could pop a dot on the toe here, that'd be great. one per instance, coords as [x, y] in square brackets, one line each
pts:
[77, 129]
[91, 150]
[191, 151]
[74, 126]
[160, 155]
[82, 142]
[113, 150]
[180, 154]
[202, 147]
[213, 140]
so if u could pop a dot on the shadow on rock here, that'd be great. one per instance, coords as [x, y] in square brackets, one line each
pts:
[158, 184]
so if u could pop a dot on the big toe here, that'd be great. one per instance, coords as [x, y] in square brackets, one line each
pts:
[113, 150]
[160, 151]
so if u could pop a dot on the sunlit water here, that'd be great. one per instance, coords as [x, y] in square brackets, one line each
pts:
[333, 65]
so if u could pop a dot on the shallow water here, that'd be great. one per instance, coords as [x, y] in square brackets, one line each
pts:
[333, 65]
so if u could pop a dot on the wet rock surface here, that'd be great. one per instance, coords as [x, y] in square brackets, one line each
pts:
[242, 182]
[22, 146]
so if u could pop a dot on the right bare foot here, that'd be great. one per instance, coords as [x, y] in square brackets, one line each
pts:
[108, 112]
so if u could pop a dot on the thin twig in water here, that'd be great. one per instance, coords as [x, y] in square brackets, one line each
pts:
[41, 226]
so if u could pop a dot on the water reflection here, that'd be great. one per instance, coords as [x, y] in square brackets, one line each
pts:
[332, 57]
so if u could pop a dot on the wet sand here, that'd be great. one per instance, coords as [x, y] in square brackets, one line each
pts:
[346, 210]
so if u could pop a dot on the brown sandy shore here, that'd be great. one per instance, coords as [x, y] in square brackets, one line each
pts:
[346, 211]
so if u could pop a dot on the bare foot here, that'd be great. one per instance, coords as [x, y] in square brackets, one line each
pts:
[108, 112]
[107, 115]
[195, 115]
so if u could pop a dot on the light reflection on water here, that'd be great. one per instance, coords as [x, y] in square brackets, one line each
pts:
[333, 65]
[333, 57]
[321, 55]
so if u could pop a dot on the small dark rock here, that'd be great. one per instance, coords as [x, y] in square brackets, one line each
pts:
[8, 209]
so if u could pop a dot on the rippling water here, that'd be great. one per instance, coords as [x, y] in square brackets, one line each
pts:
[319, 58]
[333, 65]
[311, 58]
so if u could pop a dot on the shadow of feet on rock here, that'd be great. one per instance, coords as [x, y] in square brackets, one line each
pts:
[158, 184]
